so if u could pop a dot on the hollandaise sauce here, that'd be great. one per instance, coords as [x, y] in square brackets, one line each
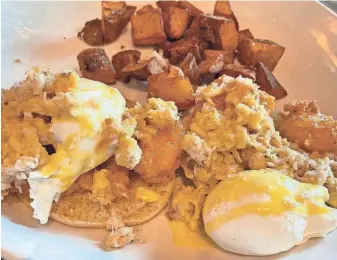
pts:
[263, 192]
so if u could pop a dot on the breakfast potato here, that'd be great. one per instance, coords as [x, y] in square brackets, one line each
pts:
[223, 8]
[228, 56]
[115, 17]
[92, 33]
[145, 9]
[267, 82]
[172, 86]
[252, 51]
[95, 65]
[122, 59]
[177, 51]
[190, 8]
[219, 32]
[190, 68]
[147, 28]
[234, 71]
[166, 4]
[245, 34]
[211, 66]
[143, 69]
[176, 21]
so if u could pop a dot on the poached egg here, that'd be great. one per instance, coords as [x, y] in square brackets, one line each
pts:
[264, 212]
[86, 128]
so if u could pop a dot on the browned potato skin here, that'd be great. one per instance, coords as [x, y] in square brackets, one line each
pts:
[223, 8]
[172, 88]
[190, 8]
[268, 83]
[220, 32]
[252, 51]
[115, 17]
[166, 4]
[160, 155]
[92, 33]
[148, 28]
[213, 65]
[122, 59]
[143, 69]
[235, 71]
[145, 8]
[228, 56]
[245, 34]
[95, 65]
[190, 68]
[177, 51]
[176, 21]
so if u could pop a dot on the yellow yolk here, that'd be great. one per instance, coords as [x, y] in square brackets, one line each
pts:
[184, 237]
[147, 195]
[283, 194]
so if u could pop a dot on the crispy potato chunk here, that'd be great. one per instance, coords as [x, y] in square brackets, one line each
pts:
[147, 28]
[92, 33]
[268, 83]
[228, 56]
[172, 87]
[143, 69]
[245, 34]
[115, 17]
[160, 157]
[252, 51]
[177, 51]
[176, 21]
[220, 32]
[122, 59]
[310, 129]
[235, 71]
[213, 65]
[190, 68]
[166, 4]
[95, 65]
[223, 8]
[190, 8]
[145, 8]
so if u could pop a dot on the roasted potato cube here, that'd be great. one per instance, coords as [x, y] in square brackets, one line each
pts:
[267, 82]
[115, 17]
[147, 28]
[252, 51]
[245, 34]
[92, 33]
[234, 71]
[166, 4]
[143, 69]
[190, 8]
[176, 21]
[219, 32]
[223, 8]
[177, 51]
[211, 66]
[145, 9]
[190, 68]
[122, 59]
[95, 65]
[172, 88]
[228, 56]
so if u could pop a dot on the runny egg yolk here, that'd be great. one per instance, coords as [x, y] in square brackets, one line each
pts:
[280, 194]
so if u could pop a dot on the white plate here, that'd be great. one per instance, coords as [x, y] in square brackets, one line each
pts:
[44, 33]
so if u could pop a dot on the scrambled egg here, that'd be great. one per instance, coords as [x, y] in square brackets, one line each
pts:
[231, 130]
[81, 118]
